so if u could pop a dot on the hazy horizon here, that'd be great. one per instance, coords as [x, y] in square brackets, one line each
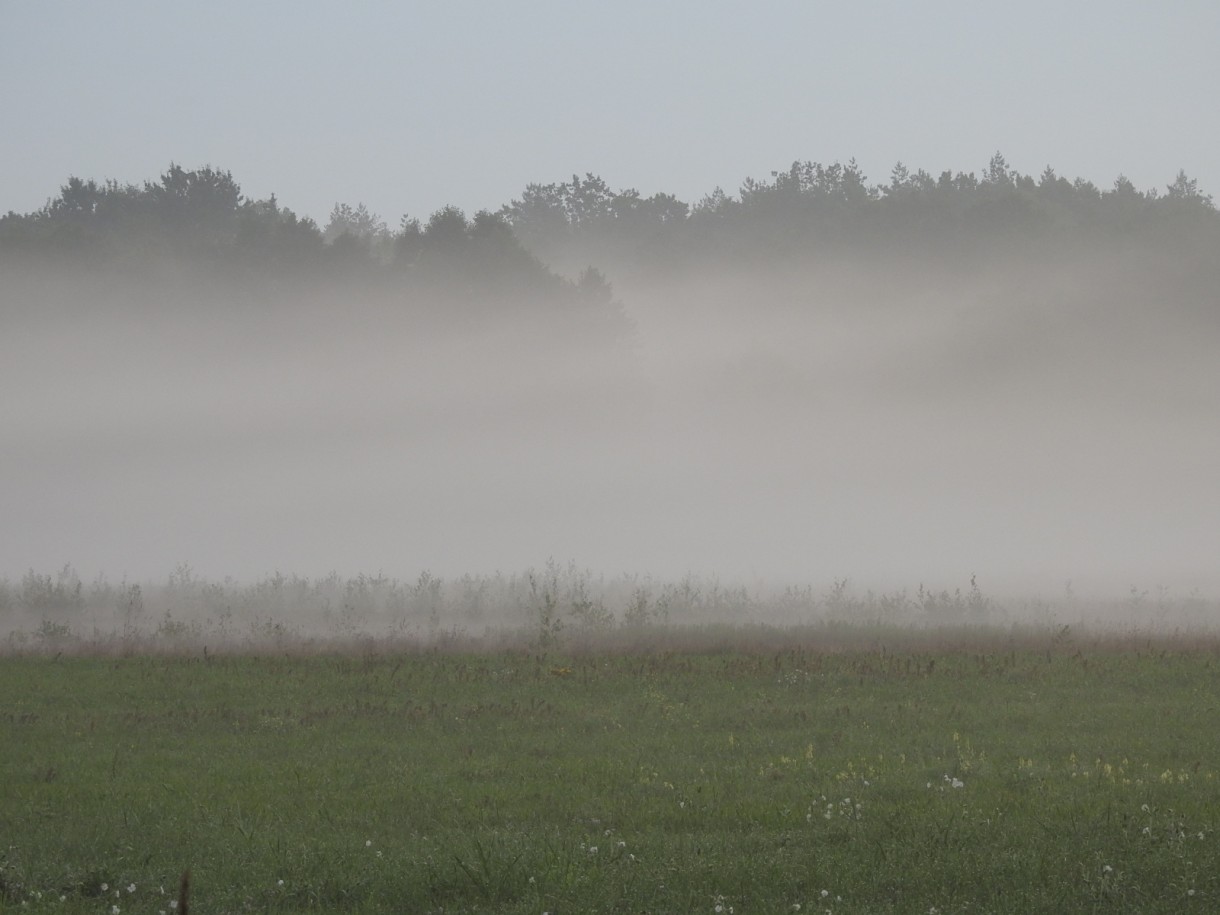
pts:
[1041, 414]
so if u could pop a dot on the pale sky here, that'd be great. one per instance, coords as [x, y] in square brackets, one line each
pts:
[412, 106]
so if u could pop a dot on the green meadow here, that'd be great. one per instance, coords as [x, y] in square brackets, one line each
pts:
[880, 774]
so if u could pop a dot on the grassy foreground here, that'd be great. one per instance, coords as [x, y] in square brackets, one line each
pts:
[1000, 778]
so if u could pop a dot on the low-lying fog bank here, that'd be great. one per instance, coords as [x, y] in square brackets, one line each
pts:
[1026, 425]
[995, 376]
[553, 607]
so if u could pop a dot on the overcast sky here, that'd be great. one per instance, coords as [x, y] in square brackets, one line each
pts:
[412, 106]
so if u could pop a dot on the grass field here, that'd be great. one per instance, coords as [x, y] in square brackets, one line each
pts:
[985, 774]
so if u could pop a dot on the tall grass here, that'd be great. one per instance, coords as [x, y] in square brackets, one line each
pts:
[548, 608]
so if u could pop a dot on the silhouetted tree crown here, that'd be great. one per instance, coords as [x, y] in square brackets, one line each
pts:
[198, 220]
[810, 209]
[200, 224]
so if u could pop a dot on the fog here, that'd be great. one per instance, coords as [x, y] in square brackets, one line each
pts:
[882, 420]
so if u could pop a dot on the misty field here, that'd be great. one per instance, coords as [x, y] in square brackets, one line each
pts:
[970, 771]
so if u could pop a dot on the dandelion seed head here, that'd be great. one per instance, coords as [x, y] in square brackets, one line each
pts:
[825, 893]
[131, 887]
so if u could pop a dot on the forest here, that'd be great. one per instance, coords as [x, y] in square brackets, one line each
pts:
[815, 377]
[807, 212]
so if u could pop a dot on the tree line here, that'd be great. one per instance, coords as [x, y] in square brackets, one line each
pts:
[199, 225]
[811, 209]
[200, 217]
